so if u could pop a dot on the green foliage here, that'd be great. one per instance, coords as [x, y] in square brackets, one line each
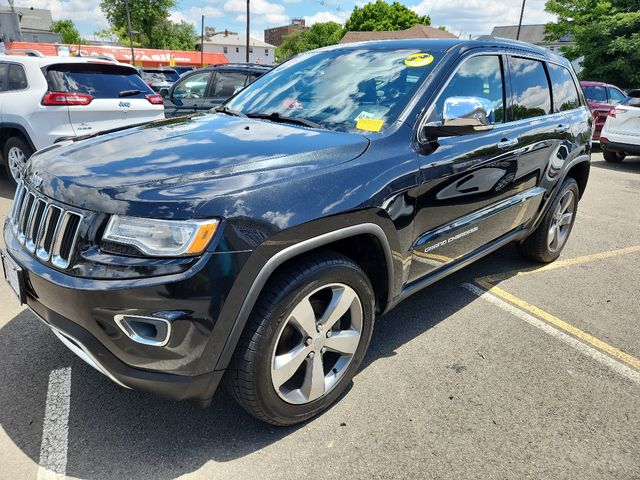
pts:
[68, 31]
[319, 35]
[381, 16]
[606, 35]
[150, 18]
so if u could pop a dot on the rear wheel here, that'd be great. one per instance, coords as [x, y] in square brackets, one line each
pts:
[613, 157]
[304, 341]
[547, 241]
[16, 153]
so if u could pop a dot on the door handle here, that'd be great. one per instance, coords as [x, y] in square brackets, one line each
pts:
[504, 144]
[562, 129]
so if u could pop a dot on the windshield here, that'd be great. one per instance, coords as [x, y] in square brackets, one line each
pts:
[345, 90]
[160, 76]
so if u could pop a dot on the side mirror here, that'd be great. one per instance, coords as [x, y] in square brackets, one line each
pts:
[462, 116]
[164, 92]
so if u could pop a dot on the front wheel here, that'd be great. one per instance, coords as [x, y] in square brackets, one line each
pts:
[613, 157]
[547, 241]
[304, 340]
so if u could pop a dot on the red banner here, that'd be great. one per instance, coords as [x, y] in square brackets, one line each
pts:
[143, 56]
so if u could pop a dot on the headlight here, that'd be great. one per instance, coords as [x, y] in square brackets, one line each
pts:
[161, 238]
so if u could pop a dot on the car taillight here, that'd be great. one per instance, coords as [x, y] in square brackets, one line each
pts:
[617, 111]
[155, 98]
[604, 139]
[65, 98]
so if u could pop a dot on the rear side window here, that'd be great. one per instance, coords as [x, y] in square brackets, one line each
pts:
[530, 89]
[17, 79]
[227, 84]
[97, 80]
[479, 76]
[595, 94]
[565, 94]
[616, 96]
[3, 77]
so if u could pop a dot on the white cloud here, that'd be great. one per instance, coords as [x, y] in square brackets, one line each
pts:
[193, 15]
[327, 16]
[263, 12]
[76, 10]
[478, 17]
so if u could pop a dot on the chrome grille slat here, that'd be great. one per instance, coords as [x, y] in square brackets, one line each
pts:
[50, 231]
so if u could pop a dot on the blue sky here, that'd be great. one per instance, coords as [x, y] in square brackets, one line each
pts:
[466, 17]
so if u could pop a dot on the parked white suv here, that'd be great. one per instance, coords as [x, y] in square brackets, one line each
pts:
[621, 132]
[44, 100]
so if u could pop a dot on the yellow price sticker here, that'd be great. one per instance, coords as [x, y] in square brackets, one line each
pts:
[419, 59]
[369, 124]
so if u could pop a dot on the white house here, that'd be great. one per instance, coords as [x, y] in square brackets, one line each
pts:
[234, 47]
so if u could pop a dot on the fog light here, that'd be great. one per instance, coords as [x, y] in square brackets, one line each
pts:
[145, 330]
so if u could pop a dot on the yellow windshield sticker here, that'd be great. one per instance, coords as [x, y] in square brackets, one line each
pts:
[369, 124]
[419, 59]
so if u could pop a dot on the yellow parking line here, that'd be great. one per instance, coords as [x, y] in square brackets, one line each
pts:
[562, 263]
[561, 324]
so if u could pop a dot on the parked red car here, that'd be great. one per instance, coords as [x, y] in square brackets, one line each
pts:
[602, 98]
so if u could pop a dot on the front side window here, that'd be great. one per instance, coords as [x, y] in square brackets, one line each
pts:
[595, 94]
[3, 77]
[193, 86]
[565, 94]
[356, 89]
[530, 89]
[616, 97]
[17, 78]
[477, 77]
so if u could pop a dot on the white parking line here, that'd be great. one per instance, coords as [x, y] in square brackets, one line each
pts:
[583, 348]
[55, 430]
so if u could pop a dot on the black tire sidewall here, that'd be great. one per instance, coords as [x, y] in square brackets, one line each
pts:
[613, 157]
[271, 403]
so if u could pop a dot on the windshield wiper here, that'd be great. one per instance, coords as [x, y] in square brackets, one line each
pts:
[276, 117]
[228, 111]
[128, 93]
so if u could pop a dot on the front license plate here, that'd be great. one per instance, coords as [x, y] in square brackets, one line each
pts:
[14, 276]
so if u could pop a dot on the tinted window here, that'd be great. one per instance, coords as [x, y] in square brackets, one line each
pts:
[194, 86]
[227, 84]
[616, 96]
[595, 94]
[97, 80]
[356, 89]
[477, 77]
[565, 94]
[159, 76]
[3, 77]
[17, 79]
[530, 88]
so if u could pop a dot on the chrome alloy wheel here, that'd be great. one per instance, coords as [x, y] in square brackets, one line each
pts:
[561, 222]
[17, 162]
[316, 343]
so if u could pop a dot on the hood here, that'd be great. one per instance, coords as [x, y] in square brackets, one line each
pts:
[181, 163]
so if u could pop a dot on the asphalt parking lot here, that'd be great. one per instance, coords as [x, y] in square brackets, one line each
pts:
[538, 378]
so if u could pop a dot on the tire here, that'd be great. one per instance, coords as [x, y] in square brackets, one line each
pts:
[543, 245]
[273, 342]
[16, 153]
[613, 157]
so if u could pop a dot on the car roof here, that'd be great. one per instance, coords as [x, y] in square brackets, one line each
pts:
[591, 83]
[252, 67]
[53, 60]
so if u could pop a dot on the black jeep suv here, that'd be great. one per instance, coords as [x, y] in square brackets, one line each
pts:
[257, 244]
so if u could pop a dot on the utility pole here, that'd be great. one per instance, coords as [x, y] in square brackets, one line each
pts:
[248, 28]
[133, 56]
[520, 23]
[202, 43]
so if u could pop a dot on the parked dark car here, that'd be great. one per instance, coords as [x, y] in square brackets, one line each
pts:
[159, 77]
[602, 98]
[208, 87]
[258, 244]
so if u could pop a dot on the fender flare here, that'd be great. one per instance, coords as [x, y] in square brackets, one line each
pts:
[287, 254]
[22, 130]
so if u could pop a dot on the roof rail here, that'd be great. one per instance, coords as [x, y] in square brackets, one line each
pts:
[29, 53]
[96, 56]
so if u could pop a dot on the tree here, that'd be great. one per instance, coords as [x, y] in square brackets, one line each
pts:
[606, 35]
[319, 35]
[381, 16]
[170, 35]
[68, 31]
[146, 16]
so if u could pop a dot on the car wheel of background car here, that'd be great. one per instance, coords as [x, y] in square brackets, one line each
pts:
[16, 154]
[304, 341]
[613, 157]
[547, 241]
